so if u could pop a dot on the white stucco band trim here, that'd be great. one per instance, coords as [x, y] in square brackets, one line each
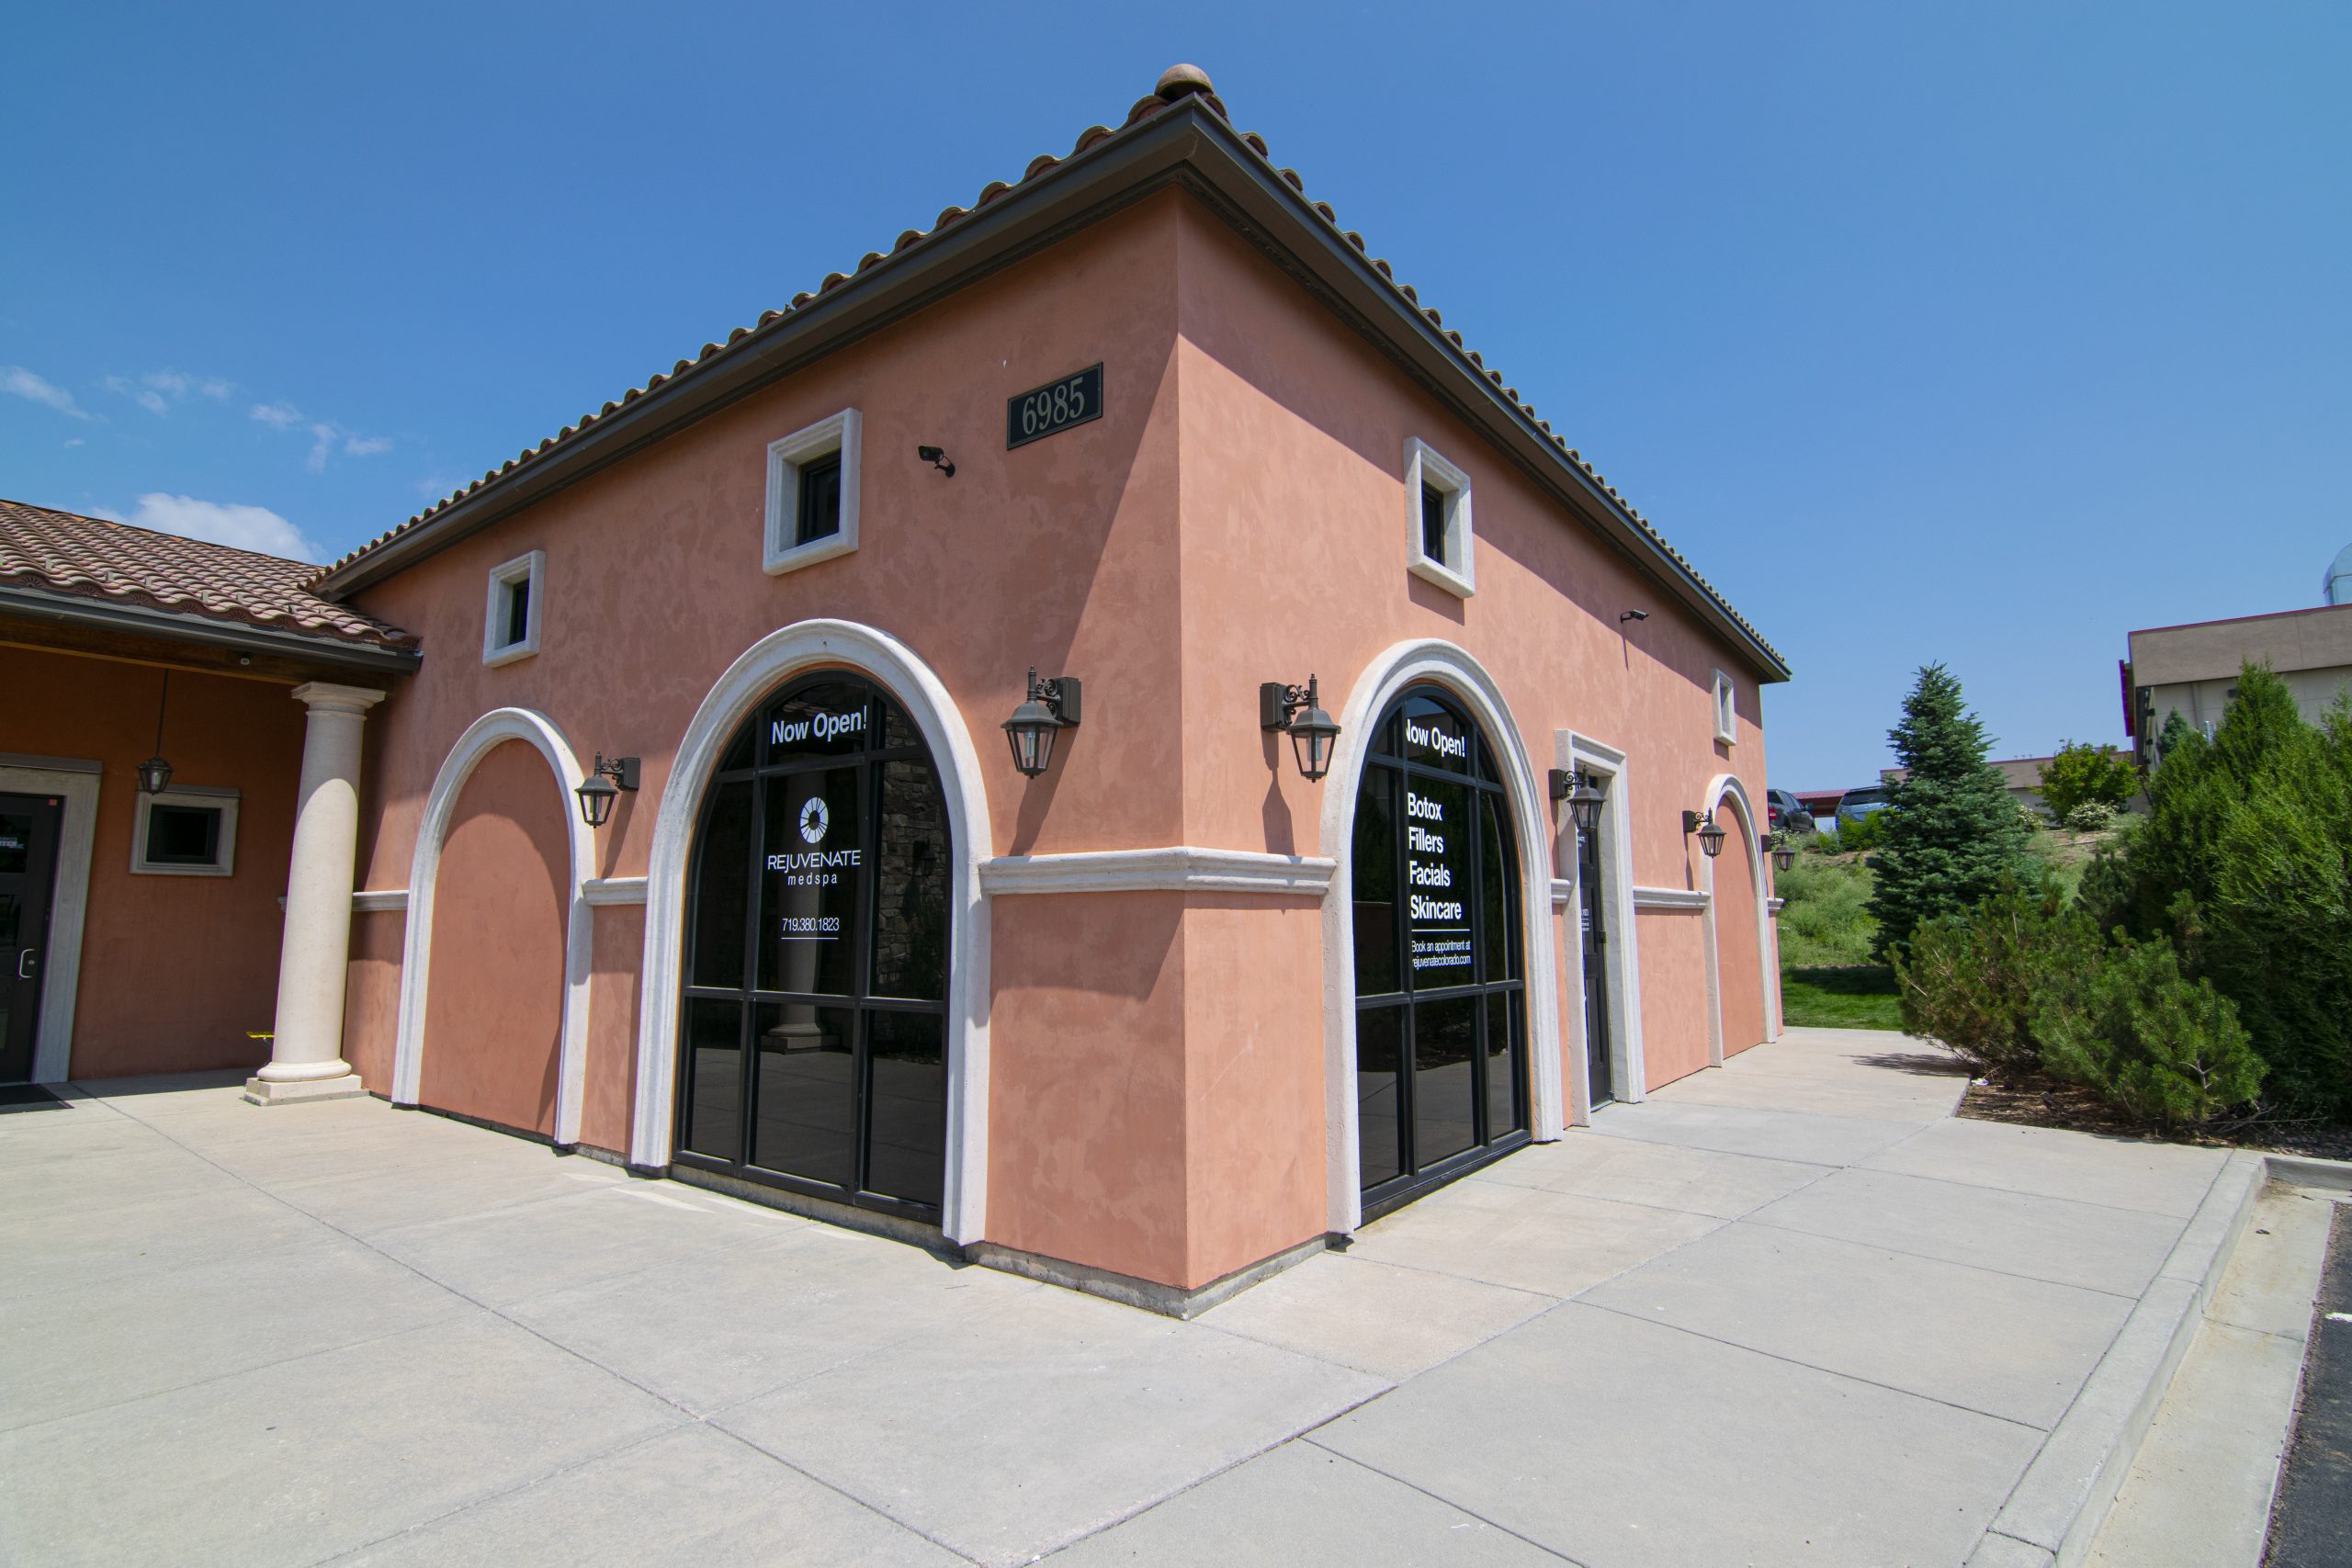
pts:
[77, 784]
[482, 737]
[1722, 787]
[1445, 665]
[1691, 900]
[1177, 868]
[763, 667]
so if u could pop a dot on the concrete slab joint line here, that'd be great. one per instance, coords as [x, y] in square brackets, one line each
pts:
[2054, 1512]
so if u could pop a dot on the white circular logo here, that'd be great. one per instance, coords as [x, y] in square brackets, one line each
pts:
[814, 820]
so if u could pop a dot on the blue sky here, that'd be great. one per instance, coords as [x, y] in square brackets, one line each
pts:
[1981, 334]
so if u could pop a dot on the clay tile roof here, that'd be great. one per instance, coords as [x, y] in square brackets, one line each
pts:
[64, 552]
[1179, 83]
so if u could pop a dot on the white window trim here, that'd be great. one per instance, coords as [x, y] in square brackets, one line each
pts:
[1725, 699]
[221, 800]
[531, 567]
[840, 433]
[1458, 572]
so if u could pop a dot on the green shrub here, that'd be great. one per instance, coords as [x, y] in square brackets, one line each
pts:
[2162, 1047]
[1951, 832]
[1970, 980]
[2089, 817]
[2083, 774]
[1864, 832]
[2243, 864]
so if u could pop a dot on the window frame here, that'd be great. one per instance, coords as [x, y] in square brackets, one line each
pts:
[780, 551]
[1427, 468]
[1725, 701]
[530, 570]
[187, 796]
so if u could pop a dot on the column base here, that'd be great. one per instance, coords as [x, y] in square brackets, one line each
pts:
[262, 1091]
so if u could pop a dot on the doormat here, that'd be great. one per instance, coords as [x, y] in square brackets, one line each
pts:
[28, 1096]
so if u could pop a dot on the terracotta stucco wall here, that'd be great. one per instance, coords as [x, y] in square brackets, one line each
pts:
[175, 970]
[1061, 554]
[1295, 561]
[1741, 976]
[494, 1011]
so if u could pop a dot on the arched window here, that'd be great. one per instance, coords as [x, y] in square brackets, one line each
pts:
[813, 1024]
[1440, 983]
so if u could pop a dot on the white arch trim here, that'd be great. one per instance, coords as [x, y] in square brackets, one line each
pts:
[1721, 786]
[482, 737]
[755, 676]
[1444, 665]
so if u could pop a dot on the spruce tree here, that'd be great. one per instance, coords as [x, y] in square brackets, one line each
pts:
[1951, 832]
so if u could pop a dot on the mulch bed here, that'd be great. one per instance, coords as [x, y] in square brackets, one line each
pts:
[2036, 1101]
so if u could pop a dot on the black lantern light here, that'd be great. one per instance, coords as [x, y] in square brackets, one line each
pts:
[154, 773]
[1582, 792]
[1710, 837]
[1784, 854]
[603, 787]
[1297, 712]
[1050, 706]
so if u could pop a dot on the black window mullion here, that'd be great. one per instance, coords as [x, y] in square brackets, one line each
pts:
[1477, 903]
[748, 1067]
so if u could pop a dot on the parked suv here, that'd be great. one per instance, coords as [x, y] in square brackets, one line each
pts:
[1785, 814]
[1859, 802]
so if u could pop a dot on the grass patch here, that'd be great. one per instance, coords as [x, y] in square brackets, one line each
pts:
[1824, 918]
[1846, 996]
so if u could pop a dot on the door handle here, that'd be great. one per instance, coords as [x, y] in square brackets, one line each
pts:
[24, 964]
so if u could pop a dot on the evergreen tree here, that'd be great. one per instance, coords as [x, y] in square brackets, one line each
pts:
[1952, 833]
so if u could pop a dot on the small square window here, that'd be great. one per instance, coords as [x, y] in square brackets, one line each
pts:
[510, 620]
[820, 500]
[1727, 709]
[812, 495]
[188, 831]
[1437, 521]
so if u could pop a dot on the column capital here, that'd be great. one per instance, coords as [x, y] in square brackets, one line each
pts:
[322, 695]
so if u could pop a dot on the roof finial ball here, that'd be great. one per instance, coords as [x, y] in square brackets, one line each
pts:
[1181, 81]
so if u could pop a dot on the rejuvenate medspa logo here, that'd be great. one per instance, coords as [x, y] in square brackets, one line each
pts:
[814, 820]
[816, 868]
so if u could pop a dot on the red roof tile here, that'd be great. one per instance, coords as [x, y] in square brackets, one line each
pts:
[64, 552]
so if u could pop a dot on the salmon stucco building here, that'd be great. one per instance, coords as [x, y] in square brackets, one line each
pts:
[1066, 744]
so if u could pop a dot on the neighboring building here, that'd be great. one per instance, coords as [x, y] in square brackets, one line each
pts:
[2021, 775]
[141, 930]
[1822, 803]
[1170, 1012]
[2193, 670]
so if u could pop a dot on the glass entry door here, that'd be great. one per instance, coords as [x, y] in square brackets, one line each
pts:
[812, 1037]
[28, 828]
[1590, 900]
[1441, 990]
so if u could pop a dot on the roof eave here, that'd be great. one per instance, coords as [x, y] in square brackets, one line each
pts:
[1186, 144]
[107, 615]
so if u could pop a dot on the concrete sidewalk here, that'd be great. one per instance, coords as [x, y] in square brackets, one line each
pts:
[1787, 1312]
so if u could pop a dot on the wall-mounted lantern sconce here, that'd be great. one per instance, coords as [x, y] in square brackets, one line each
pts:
[937, 460]
[1297, 712]
[155, 772]
[1784, 854]
[1050, 707]
[1710, 837]
[603, 787]
[1582, 792]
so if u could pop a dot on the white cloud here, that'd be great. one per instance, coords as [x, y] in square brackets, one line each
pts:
[241, 527]
[20, 382]
[278, 416]
[77, 441]
[324, 434]
[157, 390]
[367, 446]
[216, 388]
[172, 382]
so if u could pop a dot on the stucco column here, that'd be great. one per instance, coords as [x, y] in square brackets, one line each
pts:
[306, 1058]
